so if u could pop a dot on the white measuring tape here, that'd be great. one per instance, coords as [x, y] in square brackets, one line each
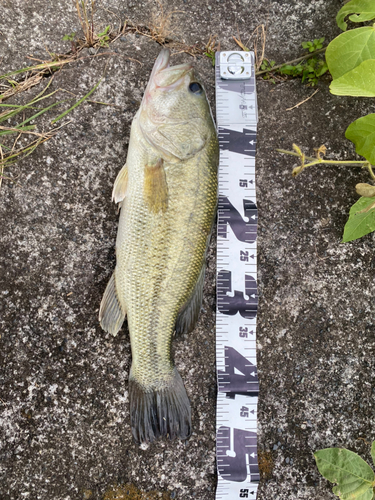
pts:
[237, 297]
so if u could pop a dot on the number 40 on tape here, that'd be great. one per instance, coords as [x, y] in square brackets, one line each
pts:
[237, 297]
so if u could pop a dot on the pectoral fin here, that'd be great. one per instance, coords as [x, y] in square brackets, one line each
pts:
[111, 314]
[188, 316]
[155, 187]
[121, 185]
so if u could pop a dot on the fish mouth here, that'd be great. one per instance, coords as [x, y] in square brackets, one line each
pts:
[164, 76]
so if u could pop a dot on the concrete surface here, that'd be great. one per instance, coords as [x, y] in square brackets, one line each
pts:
[64, 426]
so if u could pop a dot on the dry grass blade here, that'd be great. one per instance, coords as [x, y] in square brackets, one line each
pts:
[1, 165]
[240, 43]
[7, 159]
[160, 25]
[77, 103]
[21, 87]
[86, 19]
[46, 65]
[36, 75]
[259, 43]
[259, 35]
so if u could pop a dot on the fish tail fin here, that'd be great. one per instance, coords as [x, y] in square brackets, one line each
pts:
[159, 412]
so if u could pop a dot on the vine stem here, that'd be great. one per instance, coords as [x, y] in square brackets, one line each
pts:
[317, 161]
[290, 62]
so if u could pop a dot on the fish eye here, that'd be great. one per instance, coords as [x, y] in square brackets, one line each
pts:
[196, 88]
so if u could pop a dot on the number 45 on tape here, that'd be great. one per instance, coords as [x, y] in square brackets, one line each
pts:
[237, 296]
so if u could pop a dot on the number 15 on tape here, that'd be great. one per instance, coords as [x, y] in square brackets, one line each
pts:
[237, 296]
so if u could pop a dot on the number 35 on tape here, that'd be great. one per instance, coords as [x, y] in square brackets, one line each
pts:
[237, 296]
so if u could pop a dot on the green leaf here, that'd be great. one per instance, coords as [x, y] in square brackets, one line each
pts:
[361, 220]
[373, 452]
[359, 82]
[323, 68]
[362, 10]
[350, 49]
[106, 29]
[362, 133]
[353, 476]
[69, 38]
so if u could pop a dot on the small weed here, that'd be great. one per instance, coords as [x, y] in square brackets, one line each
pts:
[211, 48]
[267, 65]
[308, 67]
[160, 24]
[69, 38]
[309, 70]
[85, 11]
[314, 45]
[104, 38]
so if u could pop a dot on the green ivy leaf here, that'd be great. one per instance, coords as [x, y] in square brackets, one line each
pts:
[373, 452]
[322, 69]
[361, 10]
[359, 82]
[361, 220]
[362, 133]
[350, 49]
[354, 477]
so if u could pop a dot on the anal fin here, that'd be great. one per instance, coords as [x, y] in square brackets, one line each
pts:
[189, 313]
[120, 186]
[111, 314]
[155, 188]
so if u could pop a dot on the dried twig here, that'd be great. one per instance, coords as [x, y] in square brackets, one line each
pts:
[299, 104]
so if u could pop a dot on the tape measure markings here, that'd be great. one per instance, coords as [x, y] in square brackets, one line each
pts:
[237, 296]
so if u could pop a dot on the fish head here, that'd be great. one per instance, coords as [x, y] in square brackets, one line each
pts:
[175, 116]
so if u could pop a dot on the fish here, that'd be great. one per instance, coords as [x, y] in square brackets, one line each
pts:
[168, 195]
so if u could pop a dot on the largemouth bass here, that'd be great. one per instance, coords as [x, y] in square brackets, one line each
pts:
[168, 192]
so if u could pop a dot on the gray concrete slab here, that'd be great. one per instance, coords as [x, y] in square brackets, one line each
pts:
[64, 397]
